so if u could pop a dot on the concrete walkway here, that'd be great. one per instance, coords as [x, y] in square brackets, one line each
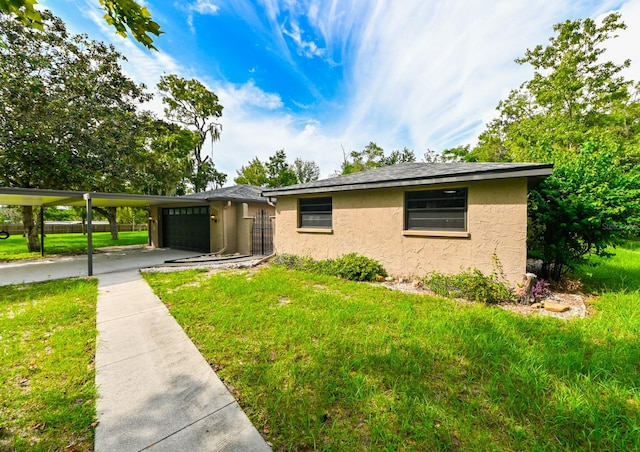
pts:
[155, 389]
[105, 261]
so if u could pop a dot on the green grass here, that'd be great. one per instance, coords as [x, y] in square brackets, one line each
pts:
[15, 247]
[619, 273]
[324, 364]
[47, 349]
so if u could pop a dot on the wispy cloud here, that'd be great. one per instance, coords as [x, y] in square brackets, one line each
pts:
[308, 49]
[415, 73]
[202, 7]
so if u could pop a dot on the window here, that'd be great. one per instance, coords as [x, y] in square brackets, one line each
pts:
[315, 212]
[436, 210]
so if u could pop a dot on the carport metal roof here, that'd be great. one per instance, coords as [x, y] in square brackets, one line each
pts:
[47, 198]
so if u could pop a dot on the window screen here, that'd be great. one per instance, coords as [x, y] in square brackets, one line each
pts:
[315, 212]
[436, 210]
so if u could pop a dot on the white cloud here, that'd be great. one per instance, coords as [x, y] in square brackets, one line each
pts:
[417, 73]
[308, 49]
[204, 7]
[247, 96]
[430, 74]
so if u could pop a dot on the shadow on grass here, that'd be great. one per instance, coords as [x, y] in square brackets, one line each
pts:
[352, 367]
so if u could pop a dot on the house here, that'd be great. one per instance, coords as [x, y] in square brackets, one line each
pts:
[414, 218]
[228, 220]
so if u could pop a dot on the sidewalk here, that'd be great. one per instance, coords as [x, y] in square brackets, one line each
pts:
[104, 261]
[155, 390]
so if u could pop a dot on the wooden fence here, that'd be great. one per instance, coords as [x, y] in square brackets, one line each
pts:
[72, 228]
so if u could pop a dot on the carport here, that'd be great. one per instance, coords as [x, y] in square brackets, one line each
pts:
[48, 198]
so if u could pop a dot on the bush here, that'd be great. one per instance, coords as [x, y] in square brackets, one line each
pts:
[293, 262]
[356, 267]
[350, 266]
[472, 285]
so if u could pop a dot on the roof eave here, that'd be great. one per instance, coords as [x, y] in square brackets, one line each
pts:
[540, 172]
[222, 198]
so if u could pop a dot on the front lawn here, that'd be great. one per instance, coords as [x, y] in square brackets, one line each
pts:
[15, 247]
[321, 363]
[47, 377]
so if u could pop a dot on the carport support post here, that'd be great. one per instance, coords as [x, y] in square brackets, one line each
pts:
[87, 197]
[42, 231]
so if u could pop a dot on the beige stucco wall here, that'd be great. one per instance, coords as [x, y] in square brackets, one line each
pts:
[371, 223]
[230, 234]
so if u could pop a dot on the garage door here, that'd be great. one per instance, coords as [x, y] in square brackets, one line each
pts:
[186, 228]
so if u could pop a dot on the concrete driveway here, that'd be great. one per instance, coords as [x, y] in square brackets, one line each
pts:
[106, 260]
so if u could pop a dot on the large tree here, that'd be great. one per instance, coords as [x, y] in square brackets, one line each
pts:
[575, 95]
[305, 170]
[121, 14]
[164, 164]
[68, 115]
[190, 104]
[277, 172]
[373, 156]
[579, 113]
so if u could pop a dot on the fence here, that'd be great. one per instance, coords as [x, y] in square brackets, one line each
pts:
[72, 228]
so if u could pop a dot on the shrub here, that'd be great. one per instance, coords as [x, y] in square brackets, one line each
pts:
[472, 285]
[293, 262]
[356, 267]
[350, 266]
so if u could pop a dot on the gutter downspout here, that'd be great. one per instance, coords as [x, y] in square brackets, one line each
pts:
[224, 229]
[270, 202]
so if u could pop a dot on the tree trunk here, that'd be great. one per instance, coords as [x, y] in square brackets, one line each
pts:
[30, 229]
[110, 213]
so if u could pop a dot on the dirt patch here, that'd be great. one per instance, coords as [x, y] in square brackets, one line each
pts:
[575, 301]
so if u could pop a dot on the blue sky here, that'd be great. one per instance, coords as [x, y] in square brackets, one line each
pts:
[321, 77]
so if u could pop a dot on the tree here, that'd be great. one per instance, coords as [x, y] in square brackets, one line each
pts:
[580, 114]
[279, 173]
[68, 115]
[165, 162]
[372, 156]
[574, 96]
[305, 170]
[403, 156]
[121, 14]
[276, 172]
[192, 105]
[255, 173]
[590, 202]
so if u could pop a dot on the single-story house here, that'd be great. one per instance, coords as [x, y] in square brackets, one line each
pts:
[229, 220]
[414, 218]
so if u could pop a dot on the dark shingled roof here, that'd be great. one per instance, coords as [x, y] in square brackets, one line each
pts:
[238, 193]
[416, 174]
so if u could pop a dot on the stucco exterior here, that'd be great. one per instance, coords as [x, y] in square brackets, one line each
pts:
[371, 222]
[230, 232]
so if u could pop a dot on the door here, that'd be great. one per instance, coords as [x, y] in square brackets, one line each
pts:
[262, 234]
[186, 228]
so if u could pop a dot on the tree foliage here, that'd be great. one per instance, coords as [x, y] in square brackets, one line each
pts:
[166, 164]
[579, 113]
[574, 96]
[589, 203]
[190, 104]
[277, 172]
[305, 170]
[68, 115]
[372, 156]
[121, 14]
